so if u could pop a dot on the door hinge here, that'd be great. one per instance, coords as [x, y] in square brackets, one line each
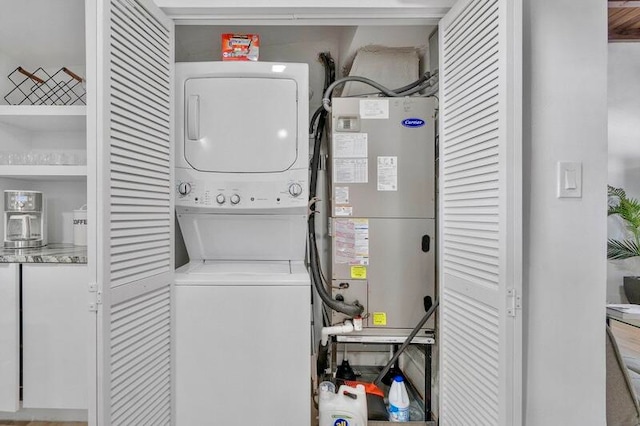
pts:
[514, 302]
[95, 297]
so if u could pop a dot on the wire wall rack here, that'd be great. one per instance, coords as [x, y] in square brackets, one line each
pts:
[64, 87]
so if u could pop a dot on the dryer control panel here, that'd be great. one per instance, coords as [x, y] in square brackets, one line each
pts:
[196, 189]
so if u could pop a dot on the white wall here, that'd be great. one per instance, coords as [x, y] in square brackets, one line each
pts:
[565, 239]
[624, 148]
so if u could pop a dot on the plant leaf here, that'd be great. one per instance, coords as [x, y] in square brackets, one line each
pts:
[616, 192]
[627, 208]
[615, 196]
[629, 211]
[622, 249]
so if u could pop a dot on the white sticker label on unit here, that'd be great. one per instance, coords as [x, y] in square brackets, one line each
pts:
[387, 173]
[353, 145]
[341, 195]
[374, 108]
[350, 170]
[344, 235]
[351, 238]
[343, 211]
[361, 229]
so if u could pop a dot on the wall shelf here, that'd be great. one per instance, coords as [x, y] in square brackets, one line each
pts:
[30, 172]
[45, 118]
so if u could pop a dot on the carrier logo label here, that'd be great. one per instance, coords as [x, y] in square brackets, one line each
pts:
[341, 422]
[413, 122]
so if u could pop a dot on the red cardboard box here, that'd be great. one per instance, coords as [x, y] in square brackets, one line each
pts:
[240, 47]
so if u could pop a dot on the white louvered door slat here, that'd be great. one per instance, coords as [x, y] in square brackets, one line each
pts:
[481, 214]
[135, 214]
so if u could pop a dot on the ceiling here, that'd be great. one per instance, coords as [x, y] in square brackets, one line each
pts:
[624, 20]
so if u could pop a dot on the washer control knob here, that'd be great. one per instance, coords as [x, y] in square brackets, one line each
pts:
[235, 199]
[220, 199]
[184, 188]
[295, 189]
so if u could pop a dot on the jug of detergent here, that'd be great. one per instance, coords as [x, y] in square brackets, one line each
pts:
[348, 407]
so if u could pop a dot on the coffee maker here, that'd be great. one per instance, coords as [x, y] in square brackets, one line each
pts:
[24, 219]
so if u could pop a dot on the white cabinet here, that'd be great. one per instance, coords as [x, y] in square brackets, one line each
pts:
[55, 336]
[9, 337]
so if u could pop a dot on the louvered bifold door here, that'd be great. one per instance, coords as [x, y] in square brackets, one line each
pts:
[135, 214]
[480, 214]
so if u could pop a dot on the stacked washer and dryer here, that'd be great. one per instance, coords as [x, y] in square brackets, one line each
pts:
[242, 315]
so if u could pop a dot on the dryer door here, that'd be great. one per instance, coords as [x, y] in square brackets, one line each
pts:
[240, 124]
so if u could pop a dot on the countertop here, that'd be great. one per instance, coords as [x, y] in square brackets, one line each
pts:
[51, 253]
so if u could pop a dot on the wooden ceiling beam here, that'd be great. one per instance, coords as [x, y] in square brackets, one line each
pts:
[630, 34]
[623, 4]
[628, 19]
[624, 20]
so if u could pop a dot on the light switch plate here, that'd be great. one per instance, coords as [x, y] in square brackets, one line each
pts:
[569, 179]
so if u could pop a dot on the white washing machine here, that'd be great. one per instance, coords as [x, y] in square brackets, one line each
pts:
[242, 318]
[242, 343]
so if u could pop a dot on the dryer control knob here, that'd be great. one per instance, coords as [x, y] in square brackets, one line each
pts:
[295, 189]
[184, 188]
[235, 199]
[220, 199]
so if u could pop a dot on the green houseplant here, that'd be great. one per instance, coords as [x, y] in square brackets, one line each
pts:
[628, 210]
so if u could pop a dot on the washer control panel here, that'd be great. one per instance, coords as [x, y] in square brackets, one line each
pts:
[194, 190]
